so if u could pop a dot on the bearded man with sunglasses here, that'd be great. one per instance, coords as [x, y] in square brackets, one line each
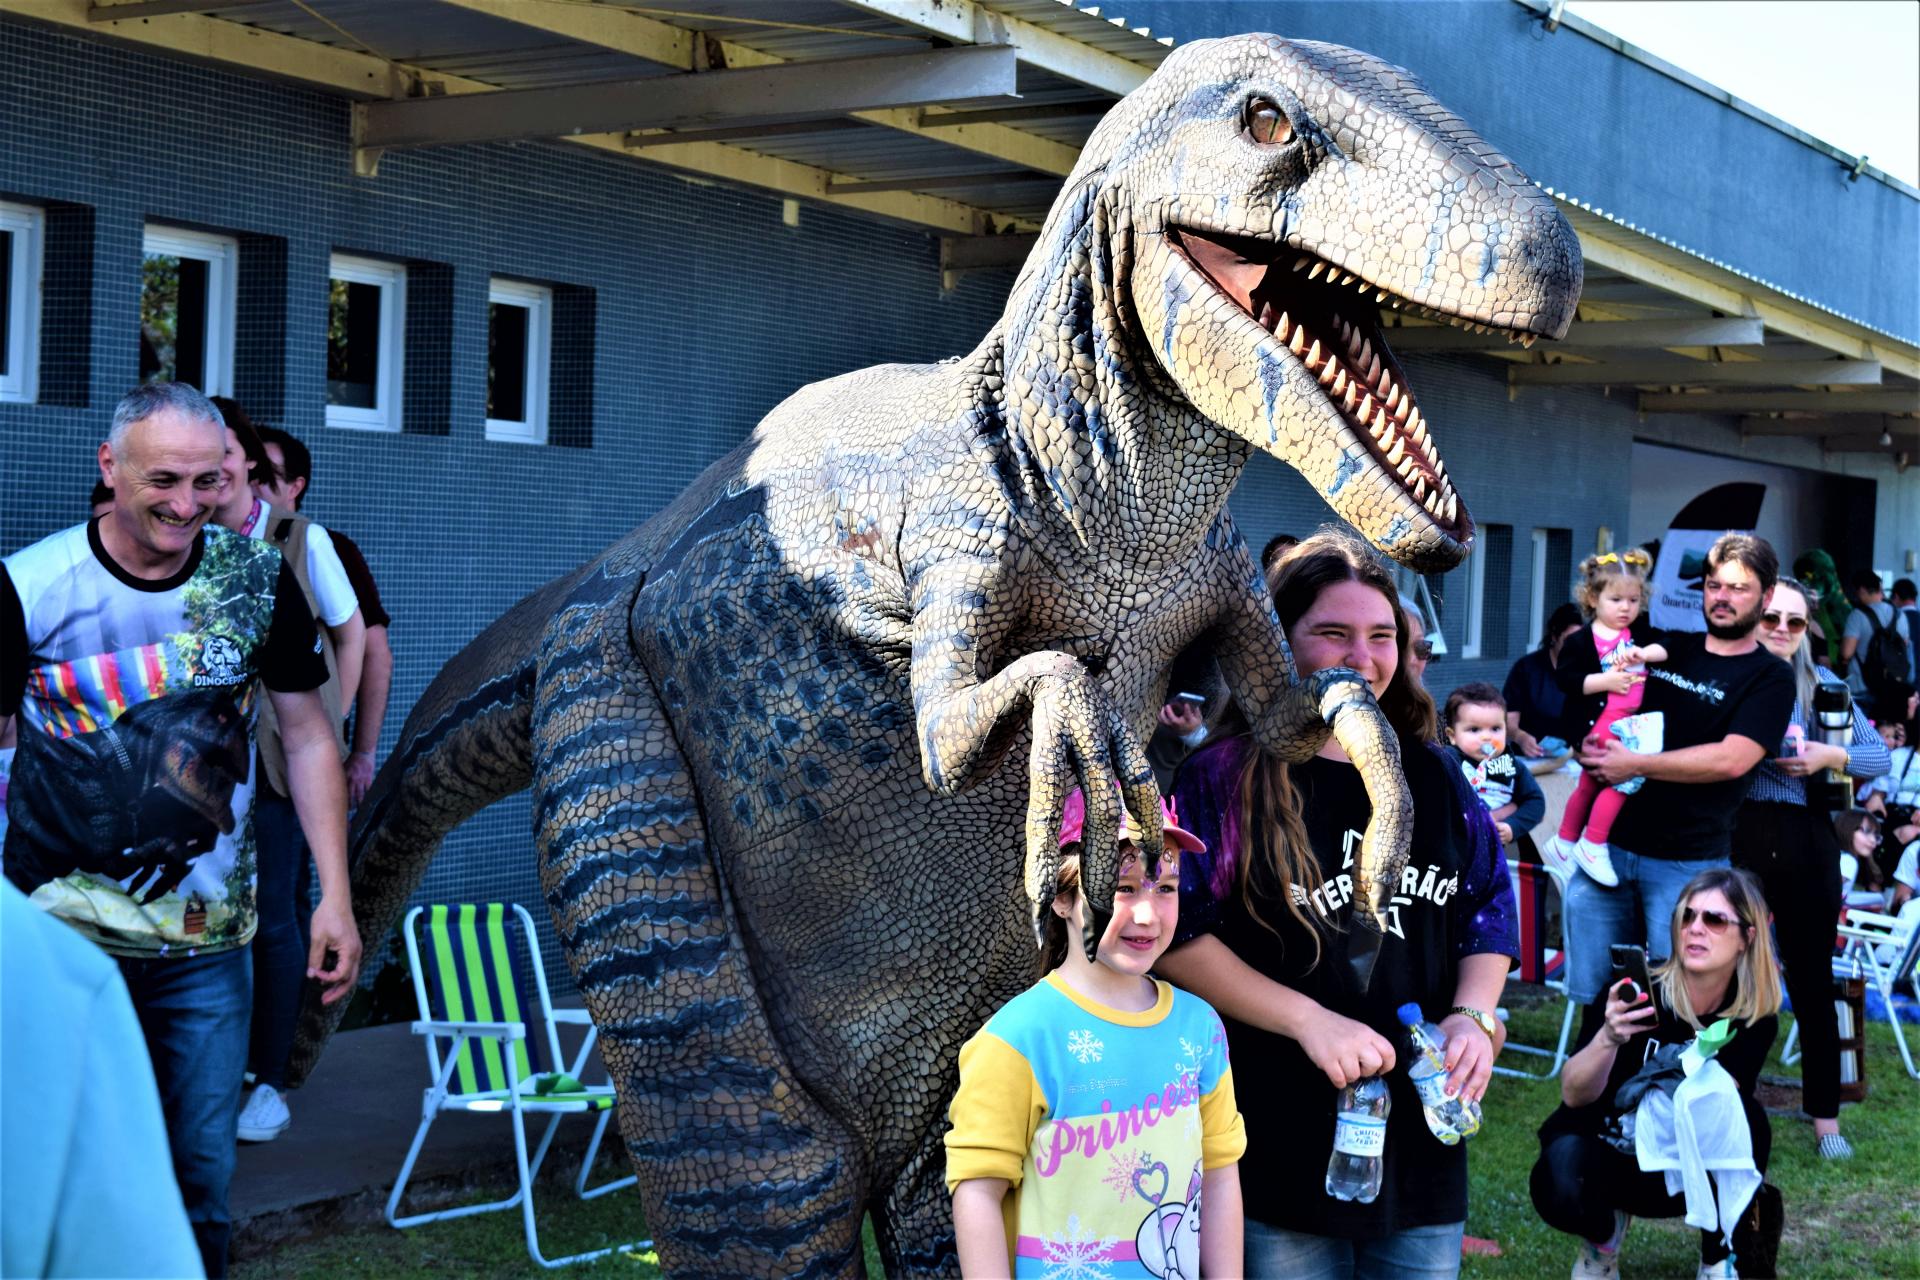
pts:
[1726, 703]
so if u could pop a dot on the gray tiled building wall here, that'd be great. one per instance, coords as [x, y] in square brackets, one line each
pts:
[702, 311]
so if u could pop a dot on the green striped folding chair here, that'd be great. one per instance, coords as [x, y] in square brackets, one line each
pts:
[485, 1049]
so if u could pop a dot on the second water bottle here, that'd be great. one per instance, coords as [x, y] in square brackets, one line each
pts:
[1450, 1119]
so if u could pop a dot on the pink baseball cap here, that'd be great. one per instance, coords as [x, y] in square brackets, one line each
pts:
[1073, 821]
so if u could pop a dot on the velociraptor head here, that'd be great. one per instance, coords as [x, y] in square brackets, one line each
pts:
[1264, 199]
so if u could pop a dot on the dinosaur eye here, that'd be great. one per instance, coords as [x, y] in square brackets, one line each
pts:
[1267, 123]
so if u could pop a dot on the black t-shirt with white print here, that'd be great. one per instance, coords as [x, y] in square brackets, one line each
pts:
[1704, 697]
[1423, 1182]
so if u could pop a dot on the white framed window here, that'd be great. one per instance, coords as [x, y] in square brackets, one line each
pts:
[22, 233]
[187, 307]
[1476, 568]
[1537, 590]
[366, 334]
[519, 360]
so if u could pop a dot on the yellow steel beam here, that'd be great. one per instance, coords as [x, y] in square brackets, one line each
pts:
[1624, 250]
[609, 27]
[966, 22]
[252, 51]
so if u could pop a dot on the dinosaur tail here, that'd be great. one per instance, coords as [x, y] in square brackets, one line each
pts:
[465, 745]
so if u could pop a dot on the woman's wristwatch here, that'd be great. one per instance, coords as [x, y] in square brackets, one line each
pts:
[1484, 1021]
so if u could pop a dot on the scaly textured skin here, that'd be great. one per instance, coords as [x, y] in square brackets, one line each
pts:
[766, 732]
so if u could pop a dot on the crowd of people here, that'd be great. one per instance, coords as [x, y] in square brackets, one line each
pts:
[1702, 856]
[200, 674]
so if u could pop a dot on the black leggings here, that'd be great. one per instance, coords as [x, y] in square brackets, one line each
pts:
[1790, 848]
[1579, 1181]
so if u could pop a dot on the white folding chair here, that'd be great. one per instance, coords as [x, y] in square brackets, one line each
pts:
[1539, 962]
[468, 984]
[1879, 953]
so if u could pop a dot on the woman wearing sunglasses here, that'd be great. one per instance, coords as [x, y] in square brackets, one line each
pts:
[1722, 966]
[1790, 846]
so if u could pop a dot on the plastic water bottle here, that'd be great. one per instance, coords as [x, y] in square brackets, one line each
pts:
[1359, 1141]
[1450, 1119]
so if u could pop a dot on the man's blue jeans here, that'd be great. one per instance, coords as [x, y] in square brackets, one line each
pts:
[1639, 911]
[1418, 1253]
[194, 1011]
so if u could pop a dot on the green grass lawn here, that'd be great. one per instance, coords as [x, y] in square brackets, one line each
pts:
[1848, 1219]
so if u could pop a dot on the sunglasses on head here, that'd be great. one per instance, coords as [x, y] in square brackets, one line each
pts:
[1773, 621]
[1423, 649]
[1715, 921]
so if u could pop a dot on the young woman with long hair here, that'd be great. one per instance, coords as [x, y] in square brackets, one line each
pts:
[1265, 922]
[1789, 845]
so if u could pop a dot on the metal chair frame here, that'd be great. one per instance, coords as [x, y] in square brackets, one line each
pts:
[1865, 932]
[516, 1102]
[1556, 1056]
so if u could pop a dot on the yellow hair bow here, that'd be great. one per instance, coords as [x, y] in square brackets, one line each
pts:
[1632, 557]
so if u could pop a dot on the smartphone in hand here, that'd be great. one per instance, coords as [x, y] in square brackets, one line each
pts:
[1630, 962]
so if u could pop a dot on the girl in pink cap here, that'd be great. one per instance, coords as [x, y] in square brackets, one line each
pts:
[1100, 1097]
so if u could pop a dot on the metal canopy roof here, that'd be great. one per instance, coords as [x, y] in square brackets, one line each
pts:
[912, 124]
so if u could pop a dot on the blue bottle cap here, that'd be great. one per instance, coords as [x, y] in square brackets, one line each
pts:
[1410, 1014]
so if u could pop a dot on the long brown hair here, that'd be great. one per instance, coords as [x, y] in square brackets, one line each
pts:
[1277, 858]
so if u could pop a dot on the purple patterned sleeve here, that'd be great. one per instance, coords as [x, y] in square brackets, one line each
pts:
[1204, 796]
[1485, 918]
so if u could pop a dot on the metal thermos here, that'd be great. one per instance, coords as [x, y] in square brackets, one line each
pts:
[1833, 720]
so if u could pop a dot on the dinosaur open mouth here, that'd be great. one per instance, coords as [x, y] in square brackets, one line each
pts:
[1330, 320]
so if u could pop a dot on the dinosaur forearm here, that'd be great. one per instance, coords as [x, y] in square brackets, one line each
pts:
[963, 727]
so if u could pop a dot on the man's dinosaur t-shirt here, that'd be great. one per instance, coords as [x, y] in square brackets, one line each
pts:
[1704, 697]
[1104, 1122]
[130, 805]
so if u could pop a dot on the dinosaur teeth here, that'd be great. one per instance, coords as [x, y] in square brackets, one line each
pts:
[1406, 468]
[1406, 407]
[1380, 295]
[1528, 340]
[1366, 408]
[1393, 394]
[1373, 366]
[1329, 371]
[1299, 343]
[1420, 488]
[1347, 400]
[1433, 503]
[1318, 267]
[1340, 382]
[1313, 356]
[1283, 328]
[1347, 278]
[1397, 454]
[1302, 262]
[1420, 434]
[1453, 507]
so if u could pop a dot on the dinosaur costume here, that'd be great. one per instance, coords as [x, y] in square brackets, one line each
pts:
[768, 733]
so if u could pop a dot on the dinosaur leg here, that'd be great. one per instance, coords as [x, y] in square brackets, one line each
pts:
[913, 1223]
[741, 1170]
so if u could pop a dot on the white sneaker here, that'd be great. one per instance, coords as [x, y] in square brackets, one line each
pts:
[1721, 1270]
[1596, 862]
[265, 1117]
[1556, 853]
